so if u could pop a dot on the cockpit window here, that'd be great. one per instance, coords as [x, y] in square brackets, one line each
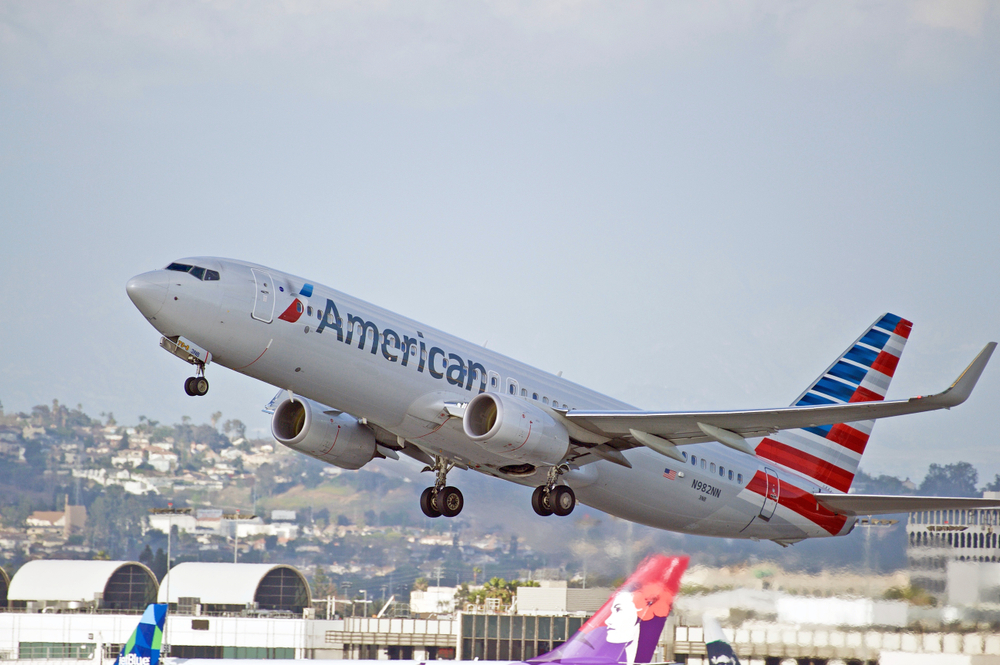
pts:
[195, 271]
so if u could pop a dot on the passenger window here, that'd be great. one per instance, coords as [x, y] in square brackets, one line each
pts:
[524, 392]
[198, 272]
[703, 462]
[512, 388]
[534, 396]
[722, 472]
[730, 474]
[684, 455]
[739, 478]
[545, 400]
[555, 404]
[309, 310]
[330, 320]
[319, 314]
[493, 381]
[211, 275]
[712, 469]
[694, 460]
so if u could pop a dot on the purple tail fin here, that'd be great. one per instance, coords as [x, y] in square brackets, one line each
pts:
[626, 629]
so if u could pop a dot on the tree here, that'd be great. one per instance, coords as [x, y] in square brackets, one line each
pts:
[160, 564]
[215, 418]
[994, 486]
[420, 584]
[114, 522]
[958, 479]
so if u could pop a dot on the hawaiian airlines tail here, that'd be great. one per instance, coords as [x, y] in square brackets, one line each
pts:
[720, 652]
[143, 648]
[627, 628]
[830, 454]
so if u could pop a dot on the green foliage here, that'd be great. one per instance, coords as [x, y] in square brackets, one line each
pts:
[420, 584]
[914, 595]
[114, 521]
[496, 587]
[958, 479]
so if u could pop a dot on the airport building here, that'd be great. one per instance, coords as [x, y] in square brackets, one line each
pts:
[81, 611]
[952, 552]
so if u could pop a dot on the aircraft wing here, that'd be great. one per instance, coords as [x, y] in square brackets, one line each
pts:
[877, 504]
[690, 427]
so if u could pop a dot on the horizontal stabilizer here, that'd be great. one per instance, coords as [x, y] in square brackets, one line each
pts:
[877, 504]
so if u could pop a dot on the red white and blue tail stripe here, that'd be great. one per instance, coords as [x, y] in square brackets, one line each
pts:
[830, 455]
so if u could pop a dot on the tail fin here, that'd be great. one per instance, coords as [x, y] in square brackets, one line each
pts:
[719, 650]
[830, 454]
[143, 648]
[627, 627]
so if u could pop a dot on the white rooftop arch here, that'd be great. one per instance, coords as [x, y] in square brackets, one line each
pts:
[219, 583]
[65, 580]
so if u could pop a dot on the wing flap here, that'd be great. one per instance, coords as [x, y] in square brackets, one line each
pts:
[877, 504]
[682, 427]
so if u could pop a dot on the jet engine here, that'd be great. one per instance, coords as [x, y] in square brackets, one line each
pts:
[514, 428]
[331, 436]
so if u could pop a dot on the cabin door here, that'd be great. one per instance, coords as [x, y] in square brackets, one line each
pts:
[263, 304]
[771, 494]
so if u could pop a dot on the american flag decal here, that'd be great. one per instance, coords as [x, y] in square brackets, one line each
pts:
[670, 474]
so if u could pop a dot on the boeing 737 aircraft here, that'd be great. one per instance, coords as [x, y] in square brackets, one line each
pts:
[357, 382]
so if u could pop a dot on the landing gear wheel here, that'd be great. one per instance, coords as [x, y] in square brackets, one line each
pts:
[449, 501]
[188, 385]
[541, 501]
[200, 386]
[427, 503]
[563, 500]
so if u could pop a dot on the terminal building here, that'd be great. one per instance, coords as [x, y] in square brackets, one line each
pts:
[63, 612]
[955, 554]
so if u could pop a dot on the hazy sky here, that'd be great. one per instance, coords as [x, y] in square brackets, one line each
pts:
[686, 205]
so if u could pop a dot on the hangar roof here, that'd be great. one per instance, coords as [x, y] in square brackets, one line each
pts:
[63, 579]
[218, 583]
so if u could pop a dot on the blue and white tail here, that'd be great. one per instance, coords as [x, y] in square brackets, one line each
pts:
[830, 454]
[143, 648]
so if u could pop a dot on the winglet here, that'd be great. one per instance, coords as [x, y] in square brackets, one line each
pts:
[143, 647]
[959, 391]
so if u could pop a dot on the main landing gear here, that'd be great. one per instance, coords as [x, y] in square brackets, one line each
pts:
[197, 386]
[551, 498]
[441, 499]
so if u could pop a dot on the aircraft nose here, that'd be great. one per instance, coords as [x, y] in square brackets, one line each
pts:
[148, 292]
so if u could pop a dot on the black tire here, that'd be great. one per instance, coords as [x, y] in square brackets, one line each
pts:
[200, 386]
[427, 503]
[188, 386]
[449, 501]
[540, 501]
[563, 500]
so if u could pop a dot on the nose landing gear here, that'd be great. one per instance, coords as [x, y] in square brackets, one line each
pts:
[441, 500]
[552, 499]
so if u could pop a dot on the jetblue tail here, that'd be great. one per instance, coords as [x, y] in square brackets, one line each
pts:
[143, 648]
[719, 650]
[830, 454]
[627, 627]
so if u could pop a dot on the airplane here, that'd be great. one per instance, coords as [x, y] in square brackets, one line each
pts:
[146, 641]
[358, 382]
[720, 652]
[625, 631]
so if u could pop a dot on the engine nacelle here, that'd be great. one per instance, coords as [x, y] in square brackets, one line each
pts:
[302, 425]
[515, 428]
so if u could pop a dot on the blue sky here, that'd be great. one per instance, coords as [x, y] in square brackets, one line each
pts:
[685, 205]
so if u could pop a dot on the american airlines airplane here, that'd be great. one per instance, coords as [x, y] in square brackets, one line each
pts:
[357, 382]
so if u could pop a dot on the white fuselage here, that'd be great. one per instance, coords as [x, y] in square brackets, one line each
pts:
[236, 318]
